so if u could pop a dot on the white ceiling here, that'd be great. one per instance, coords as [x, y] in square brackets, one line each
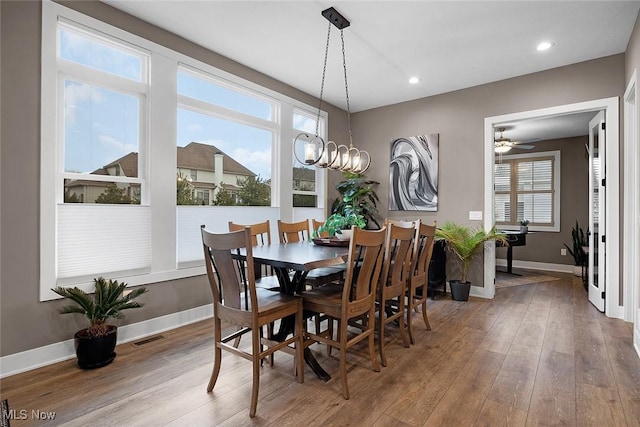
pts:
[449, 45]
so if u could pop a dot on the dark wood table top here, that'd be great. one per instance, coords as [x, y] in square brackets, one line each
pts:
[301, 256]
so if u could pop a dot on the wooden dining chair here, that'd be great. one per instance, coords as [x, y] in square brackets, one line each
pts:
[419, 279]
[260, 235]
[315, 224]
[391, 295]
[224, 274]
[353, 302]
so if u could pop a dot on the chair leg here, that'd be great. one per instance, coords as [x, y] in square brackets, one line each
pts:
[409, 311]
[299, 330]
[343, 361]
[217, 355]
[381, 324]
[372, 352]
[403, 331]
[424, 314]
[256, 375]
[330, 332]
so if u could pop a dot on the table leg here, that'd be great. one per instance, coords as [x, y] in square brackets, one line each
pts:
[287, 324]
[510, 262]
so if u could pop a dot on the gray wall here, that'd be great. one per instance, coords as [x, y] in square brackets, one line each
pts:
[459, 119]
[26, 323]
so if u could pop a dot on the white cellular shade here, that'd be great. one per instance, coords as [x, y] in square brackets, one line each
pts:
[94, 240]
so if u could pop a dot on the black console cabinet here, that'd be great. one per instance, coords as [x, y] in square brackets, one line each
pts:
[437, 269]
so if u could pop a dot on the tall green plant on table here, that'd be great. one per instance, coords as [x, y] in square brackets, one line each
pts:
[336, 225]
[579, 240]
[465, 244]
[95, 344]
[357, 197]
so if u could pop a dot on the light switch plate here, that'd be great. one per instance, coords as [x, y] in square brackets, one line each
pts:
[475, 215]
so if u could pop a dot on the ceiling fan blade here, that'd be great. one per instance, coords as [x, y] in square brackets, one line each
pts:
[524, 147]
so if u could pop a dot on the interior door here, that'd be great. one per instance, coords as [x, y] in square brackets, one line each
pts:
[597, 187]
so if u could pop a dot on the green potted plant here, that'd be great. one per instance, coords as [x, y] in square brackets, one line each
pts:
[339, 226]
[579, 240]
[524, 226]
[357, 196]
[95, 344]
[465, 244]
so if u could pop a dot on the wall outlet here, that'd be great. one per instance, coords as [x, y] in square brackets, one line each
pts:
[563, 252]
[475, 215]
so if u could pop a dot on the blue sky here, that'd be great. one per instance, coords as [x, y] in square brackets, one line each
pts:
[102, 125]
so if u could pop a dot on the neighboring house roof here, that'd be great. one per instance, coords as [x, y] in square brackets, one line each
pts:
[193, 156]
[202, 157]
[128, 165]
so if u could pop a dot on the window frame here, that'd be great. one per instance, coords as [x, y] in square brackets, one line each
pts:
[160, 127]
[555, 156]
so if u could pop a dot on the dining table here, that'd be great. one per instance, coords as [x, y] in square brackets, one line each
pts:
[291, 263]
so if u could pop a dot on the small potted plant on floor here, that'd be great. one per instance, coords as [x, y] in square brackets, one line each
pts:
[95, 344]
[524, 226]
[465, 244]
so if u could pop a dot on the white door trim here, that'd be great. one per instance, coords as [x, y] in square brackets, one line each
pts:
[631, 252]
[612, 229]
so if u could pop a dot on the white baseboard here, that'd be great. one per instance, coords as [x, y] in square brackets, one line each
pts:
[530, 265]
[42, 356]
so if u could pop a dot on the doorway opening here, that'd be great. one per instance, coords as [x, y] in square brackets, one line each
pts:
[610, 108]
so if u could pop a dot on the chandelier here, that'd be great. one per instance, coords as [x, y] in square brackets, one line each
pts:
[313, 148]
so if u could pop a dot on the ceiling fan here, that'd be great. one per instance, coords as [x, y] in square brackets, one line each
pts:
[502, 144]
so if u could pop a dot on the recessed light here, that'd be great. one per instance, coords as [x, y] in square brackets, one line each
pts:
[414, 80]
[544, 46]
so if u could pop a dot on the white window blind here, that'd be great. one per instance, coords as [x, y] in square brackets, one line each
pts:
[102, 239]
[527, 188]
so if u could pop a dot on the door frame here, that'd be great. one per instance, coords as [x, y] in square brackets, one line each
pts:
[611, 107]
[631, 224]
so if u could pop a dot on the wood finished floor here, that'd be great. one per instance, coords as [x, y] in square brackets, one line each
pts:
[537, 354]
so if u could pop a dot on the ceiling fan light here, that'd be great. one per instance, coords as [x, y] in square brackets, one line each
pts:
[501, 149]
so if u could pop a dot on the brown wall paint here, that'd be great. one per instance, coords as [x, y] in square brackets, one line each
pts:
[26, 323]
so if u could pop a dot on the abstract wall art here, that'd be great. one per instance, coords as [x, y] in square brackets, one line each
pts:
[413, 173]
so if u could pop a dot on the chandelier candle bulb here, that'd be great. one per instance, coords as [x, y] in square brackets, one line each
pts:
[310, 153]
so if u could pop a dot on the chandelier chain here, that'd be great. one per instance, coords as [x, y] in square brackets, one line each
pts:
[346, 89]
[324, 72]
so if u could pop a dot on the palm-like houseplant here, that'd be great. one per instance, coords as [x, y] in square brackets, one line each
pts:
[95, 344]
[579, 240]
[465, 243]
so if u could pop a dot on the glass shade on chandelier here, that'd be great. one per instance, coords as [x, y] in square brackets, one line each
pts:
[311, 149]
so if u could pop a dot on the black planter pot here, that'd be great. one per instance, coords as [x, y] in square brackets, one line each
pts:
[460, 290]
[95, 352]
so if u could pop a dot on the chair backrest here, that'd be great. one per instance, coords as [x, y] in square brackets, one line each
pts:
[290, 232]
[397, 258]
[364, 265]
[260, 232]
[422, 251]
[227, 275]
[315, 224]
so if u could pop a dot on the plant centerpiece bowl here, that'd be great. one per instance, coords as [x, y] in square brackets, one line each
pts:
[465, 244]
[579, 240]
[339, 226]
[95, 344]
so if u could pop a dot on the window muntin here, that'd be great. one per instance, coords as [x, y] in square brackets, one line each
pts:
[85, 48]
[65, 227]
[214, 93]
[527, 188]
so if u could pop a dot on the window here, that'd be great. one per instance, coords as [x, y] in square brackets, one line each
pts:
[527, 187]
[305, 177]
[122, 169]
